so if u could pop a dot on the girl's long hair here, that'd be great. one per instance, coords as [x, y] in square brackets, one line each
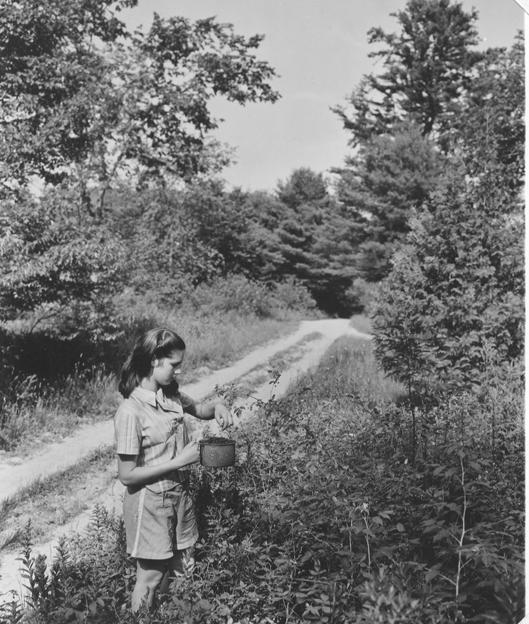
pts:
[155, 343]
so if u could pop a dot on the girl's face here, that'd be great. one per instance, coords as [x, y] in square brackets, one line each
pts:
[166, 369]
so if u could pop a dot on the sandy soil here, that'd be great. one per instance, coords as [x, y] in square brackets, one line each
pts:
[62, 455]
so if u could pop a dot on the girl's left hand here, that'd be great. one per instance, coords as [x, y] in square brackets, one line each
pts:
[223, 416]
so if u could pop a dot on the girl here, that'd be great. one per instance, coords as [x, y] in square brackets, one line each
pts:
[154, 455]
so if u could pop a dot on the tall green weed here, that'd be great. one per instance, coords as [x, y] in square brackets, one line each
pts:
[35, 411]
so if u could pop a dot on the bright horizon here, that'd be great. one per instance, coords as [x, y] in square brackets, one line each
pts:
[318, 67]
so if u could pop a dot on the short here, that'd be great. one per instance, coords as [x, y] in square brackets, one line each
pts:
[158, 525]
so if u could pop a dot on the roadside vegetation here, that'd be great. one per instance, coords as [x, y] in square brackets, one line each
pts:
[338, 510]
[52, 384]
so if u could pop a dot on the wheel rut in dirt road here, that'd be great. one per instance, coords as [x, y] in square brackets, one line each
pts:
[59, 457]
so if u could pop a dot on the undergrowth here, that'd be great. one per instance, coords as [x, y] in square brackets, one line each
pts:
[333, 514]
[49, 387]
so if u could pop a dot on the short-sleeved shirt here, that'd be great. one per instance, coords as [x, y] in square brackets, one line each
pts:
[151, 425]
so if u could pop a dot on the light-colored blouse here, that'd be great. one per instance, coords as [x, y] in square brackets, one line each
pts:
[151, 425]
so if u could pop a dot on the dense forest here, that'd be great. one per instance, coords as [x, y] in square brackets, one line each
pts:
[115, 216]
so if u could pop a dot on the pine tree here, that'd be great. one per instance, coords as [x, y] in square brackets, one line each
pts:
[427, 66]
[388, 178]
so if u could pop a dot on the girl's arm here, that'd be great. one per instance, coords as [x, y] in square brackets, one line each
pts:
[130, 473]
[208, 410]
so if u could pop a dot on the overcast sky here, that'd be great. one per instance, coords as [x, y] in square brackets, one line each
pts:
[319, 50]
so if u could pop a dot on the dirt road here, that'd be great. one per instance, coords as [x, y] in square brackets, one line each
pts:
[62, 455]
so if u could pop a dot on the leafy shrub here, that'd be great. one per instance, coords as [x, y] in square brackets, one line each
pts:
[235, 293]
[247, 297]
[53, 268]
[87, 580]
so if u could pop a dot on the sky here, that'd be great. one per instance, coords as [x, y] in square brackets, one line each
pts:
[320, 52]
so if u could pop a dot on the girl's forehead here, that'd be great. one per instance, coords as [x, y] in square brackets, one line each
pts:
[176, 355]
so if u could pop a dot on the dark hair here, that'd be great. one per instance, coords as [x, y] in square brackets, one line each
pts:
[155, 343]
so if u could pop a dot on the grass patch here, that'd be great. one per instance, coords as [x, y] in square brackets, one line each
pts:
[52, 502]
[47, 414]
[349, 370]
[280, 361]
[213, 342]
[265, 372]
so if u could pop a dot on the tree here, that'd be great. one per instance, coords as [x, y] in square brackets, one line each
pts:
[301, 233]
[52, 269]
[88, 103]
[261, 213]
[453, 301]
[489, 130]
[435, 99]
[380, 186]
[398, 125]
[333, 270]
[427, 67]
[167, 256]
[304, 185]
[53, 68]
[452, 305]
[221, 221]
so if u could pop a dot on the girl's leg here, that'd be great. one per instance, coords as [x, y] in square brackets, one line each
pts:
[149, 575]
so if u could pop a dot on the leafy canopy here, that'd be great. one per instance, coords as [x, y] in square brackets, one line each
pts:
[87, 103]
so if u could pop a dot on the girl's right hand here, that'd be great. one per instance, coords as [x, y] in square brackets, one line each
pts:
[190, 454]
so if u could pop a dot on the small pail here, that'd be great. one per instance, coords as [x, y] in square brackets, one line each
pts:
[217, 452]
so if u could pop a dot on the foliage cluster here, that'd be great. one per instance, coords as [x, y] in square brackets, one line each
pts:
[434, 102]
[113, 130]
[453, 303]
[330, 516]
[434, 195]
[90, 109]
[85, 101]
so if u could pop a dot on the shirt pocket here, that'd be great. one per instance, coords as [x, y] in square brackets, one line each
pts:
[159, 430]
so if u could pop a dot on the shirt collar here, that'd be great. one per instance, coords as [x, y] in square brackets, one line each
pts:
[147, 396]
[156, 399]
